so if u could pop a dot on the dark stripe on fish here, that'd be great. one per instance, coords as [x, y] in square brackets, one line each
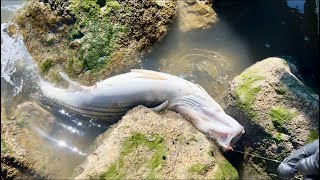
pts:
[108, 109]
[92, 113]
[104, 112]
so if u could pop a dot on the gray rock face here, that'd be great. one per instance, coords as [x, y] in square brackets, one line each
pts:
[149, 145]
[279, 113]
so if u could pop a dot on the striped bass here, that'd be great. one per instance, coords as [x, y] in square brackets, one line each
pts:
[113, 97]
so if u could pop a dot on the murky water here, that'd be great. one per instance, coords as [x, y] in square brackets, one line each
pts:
[211, 58]
[248, 31]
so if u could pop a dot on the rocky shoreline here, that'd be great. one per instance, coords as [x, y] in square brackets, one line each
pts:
[92, 41]
[278, 112]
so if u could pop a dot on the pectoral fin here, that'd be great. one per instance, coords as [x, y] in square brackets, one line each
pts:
[160, 107]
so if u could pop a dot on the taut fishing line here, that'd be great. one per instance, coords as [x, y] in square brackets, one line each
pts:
[257, 156]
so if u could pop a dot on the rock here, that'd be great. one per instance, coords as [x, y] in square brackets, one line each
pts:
[149, 145]
[279, 113]
[195, 15]
[67, 31]
[26, 149]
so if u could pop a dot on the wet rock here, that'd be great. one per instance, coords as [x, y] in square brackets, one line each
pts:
[109, 42]
[279, 113]
[26, 151]
[44, 34]
[195, 14]
[149, 145]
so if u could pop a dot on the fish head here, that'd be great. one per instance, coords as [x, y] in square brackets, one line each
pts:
[226, 140]
[221, 127]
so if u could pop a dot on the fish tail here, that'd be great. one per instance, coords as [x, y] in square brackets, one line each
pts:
[51, 92]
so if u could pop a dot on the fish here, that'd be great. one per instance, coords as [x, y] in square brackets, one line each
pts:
[113, 97]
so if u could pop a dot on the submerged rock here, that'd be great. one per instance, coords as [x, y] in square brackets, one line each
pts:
[149, 145]
[196, 14]
[279, 113]
[27, 150]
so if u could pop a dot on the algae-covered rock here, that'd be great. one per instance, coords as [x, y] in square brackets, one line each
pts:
[92, 40]
[195, 15]
[279, 113]
[149, 145]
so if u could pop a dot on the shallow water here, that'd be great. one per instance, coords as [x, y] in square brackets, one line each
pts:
[211, 58]
[248, 31]
[58, 135]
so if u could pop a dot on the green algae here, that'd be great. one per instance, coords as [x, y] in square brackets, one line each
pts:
[153, 142]
[279, 137]
[4, 147]
[279, 116]
[98, 34]
[226, 171]
[46, 65]
[313, 135]
[198, 169]
[247, 90]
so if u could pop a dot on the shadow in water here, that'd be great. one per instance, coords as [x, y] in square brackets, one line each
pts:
[272, 28]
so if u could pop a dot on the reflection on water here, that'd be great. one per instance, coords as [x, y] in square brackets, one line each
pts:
[207, 68]
[277, 28]
[18, 72]
[210, 57]
[57, 141]
[8, 8]
[297, 4]
[248, 31]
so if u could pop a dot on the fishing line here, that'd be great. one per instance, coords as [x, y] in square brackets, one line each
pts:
[257, 156]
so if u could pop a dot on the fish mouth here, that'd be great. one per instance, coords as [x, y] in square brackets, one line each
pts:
[235, 140]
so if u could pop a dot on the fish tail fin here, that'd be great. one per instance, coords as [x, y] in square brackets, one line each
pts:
[48, 90]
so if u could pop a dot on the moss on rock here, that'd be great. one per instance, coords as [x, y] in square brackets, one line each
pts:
[89, 34]
[279, 116]
[198, 168]
[313, 135]
[134, 150]
[99, 35]
[154, 142]
[276, 110]
[46, 65]
[225, 171]
[247, 89]
[4, 147]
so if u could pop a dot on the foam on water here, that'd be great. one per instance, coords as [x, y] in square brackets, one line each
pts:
[18, 71]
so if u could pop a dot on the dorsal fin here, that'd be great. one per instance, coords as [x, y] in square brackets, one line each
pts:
[148, 74]
[72, 85]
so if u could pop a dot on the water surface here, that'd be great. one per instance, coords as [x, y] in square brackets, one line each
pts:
[246, 33]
